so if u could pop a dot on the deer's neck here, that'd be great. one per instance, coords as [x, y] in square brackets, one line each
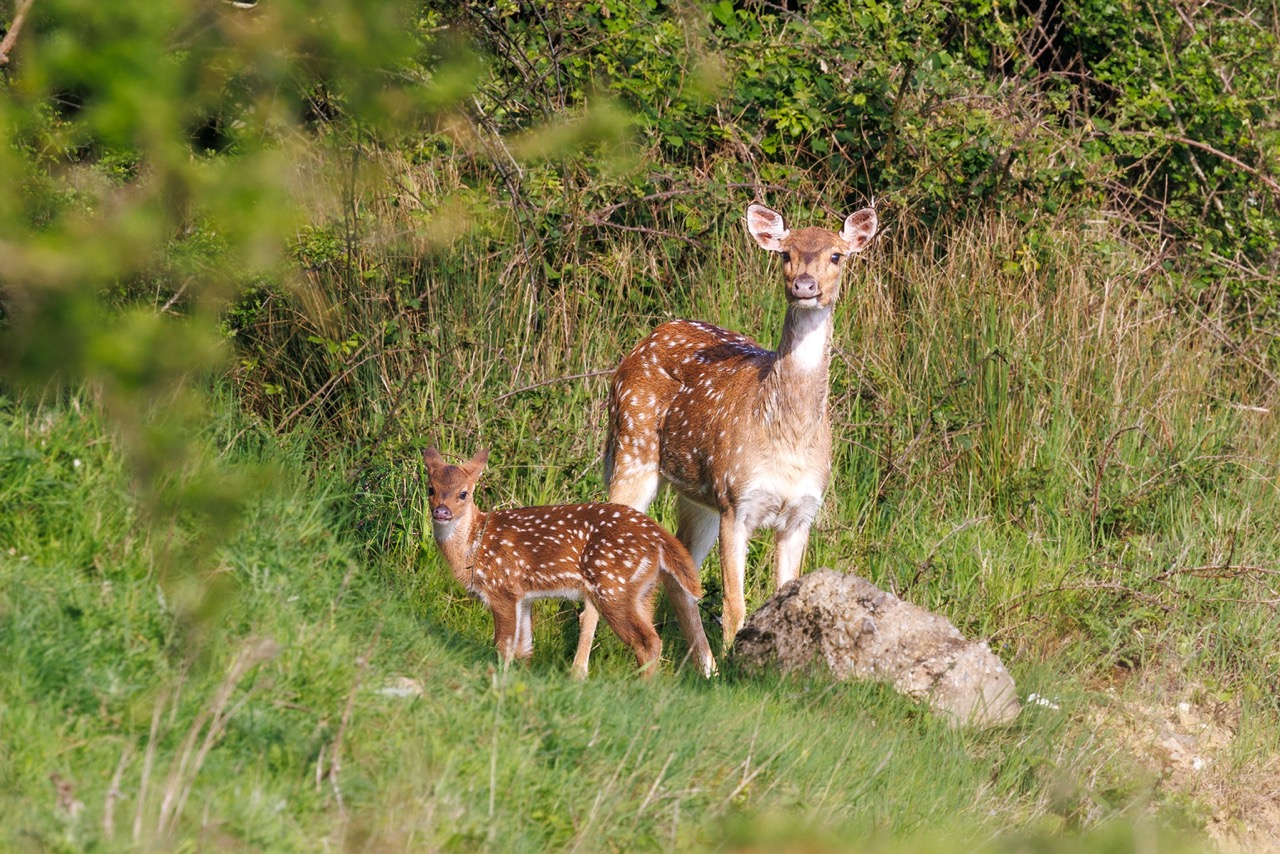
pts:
[459, 542]
[796, 387]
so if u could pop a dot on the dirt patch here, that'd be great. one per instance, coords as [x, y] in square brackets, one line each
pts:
[1190, 741]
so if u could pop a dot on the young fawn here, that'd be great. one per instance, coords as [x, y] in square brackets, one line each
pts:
[609, 555]
[741, 433]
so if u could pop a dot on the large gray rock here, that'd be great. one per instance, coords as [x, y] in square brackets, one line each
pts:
[861, 632]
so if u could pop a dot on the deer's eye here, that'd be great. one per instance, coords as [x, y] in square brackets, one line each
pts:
[786, 257]
[462, 496]
[835, 257]
[431, 490]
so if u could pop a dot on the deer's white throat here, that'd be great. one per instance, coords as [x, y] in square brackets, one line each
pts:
[810, 330]
[443, 531]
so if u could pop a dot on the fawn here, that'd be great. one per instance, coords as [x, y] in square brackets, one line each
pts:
[609, 555]
[742, 433]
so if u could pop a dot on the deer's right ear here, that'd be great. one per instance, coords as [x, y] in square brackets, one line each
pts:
[766, 227]
[432, 458]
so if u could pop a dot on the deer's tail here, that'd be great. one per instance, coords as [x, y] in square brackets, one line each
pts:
[675, 561]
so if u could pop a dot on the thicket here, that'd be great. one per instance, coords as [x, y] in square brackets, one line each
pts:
[601, 125]
[370, 147]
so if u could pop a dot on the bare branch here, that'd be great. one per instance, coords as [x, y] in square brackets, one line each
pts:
[555, 380]
[1204, 146]
[15, 27]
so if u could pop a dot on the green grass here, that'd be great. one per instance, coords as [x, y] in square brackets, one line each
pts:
[96, 686]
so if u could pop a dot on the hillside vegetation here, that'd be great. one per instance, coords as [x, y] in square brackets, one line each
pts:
[253, 260]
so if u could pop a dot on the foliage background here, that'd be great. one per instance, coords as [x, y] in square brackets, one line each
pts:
[253, 258]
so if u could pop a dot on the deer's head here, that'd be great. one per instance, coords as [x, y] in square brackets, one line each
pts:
[450, 489]
[812, 258]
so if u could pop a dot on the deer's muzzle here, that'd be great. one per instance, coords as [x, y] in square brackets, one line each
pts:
[804, 286]
[442, 514]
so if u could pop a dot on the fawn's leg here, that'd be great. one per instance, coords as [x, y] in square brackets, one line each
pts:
[635, 626]
[690, 620]
[504, 627]
[733, 566]
[524, 628]
[587, 621]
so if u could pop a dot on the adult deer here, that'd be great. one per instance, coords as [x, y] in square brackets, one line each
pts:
[609, 555]
[741, 433]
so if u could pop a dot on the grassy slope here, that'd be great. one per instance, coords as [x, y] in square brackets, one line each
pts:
[95, 686]
[91, 658]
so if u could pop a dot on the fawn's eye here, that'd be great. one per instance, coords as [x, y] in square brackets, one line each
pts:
[835, 257]
[786, 257]
[462, 496]
[431, 490]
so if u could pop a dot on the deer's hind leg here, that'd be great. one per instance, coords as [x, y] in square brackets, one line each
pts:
[633, 623]
[697, 530]
[630, 484]
[733, 567]
[697, 527]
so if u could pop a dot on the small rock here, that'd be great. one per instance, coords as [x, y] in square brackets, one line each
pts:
[861, 632]
[402, 686]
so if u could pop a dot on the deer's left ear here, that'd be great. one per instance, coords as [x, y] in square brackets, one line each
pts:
[477, 463]
[767, 227]
[858, 229]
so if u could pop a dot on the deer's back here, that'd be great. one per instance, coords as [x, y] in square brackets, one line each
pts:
[558, 550]
[686, 396]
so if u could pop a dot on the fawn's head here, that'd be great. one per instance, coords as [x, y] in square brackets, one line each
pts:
[450, 488]
[811, 257]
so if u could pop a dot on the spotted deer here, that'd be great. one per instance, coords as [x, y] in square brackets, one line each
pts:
[609, 555]
[741, 433]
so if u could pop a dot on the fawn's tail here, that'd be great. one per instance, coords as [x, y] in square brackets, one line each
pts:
[674, 560]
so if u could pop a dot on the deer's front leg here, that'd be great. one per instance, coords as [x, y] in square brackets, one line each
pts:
[733, 565]
[505, 627]
[524, 628]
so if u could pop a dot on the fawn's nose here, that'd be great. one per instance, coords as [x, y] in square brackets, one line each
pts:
[441, 514]
[804, 286]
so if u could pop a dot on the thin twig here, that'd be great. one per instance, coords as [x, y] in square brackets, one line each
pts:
[1204, 146]
[184, 769]
[927, 564]
[335, 764]
[1102, 464]
[586, 375]
[640, 229]
[113, 793]
[148, 759]
[15, 27]
[334, 380]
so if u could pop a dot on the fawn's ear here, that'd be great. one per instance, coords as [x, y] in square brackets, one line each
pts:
[859, 228]
[477, 463]
[766, 227]
[432, 458]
